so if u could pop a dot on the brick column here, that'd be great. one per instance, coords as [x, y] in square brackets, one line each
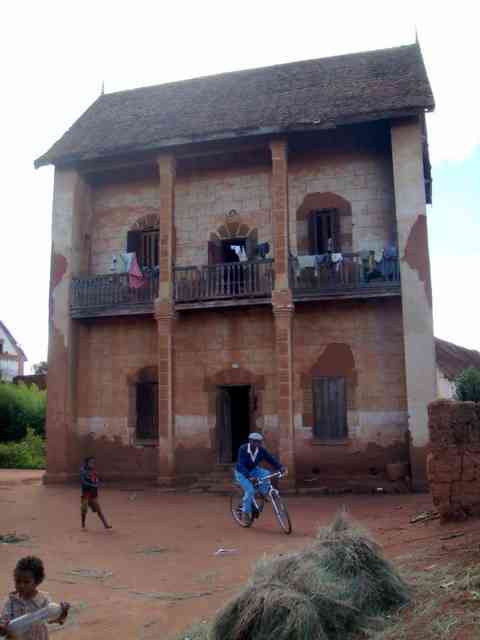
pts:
[283, 308]
[166, 169]
[407, 157]
[69, 200]
[280, 223]
[165, 317]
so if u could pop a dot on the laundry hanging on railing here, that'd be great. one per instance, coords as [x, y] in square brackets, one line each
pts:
[128, 263]
[337, 259]
[263, 249]
[317, 261]
[136, 279]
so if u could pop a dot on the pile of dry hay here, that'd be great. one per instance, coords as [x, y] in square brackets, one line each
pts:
[339, 586]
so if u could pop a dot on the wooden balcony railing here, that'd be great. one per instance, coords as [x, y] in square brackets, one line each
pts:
[353, 276]
[253, 279]
[112, 295]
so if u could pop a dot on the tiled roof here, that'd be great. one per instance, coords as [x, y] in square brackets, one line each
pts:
[306, 95]
[452, 359]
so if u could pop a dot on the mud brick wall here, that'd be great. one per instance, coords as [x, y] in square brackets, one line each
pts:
[453, 464]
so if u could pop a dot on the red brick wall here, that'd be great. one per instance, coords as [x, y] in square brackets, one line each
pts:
[110, 355]
[361, 341]
[220, 348]
[453, 464]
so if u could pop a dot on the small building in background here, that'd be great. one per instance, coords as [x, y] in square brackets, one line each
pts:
[451, 361]
[12, 356]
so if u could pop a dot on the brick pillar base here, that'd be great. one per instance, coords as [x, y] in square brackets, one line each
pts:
[165, 317]
[283, 310]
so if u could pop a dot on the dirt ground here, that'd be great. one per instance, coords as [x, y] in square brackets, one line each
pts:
[156, 571]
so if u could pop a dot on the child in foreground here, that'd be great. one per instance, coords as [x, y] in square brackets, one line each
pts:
[28, 575]
[89, 480]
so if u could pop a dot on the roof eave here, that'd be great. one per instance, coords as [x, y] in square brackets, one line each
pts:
[72, 160]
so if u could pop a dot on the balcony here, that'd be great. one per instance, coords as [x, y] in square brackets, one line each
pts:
[112, 295]
[352, 277]
[235, 284]
[221, 285]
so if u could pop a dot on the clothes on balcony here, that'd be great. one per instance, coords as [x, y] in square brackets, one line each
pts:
[304, 262]
[263, 249]
[390, 256]
[125, 262]
[136, 279]
[337, 259]
[311, 262]
[390, 252]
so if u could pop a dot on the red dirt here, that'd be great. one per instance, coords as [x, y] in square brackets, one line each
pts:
[188, 529]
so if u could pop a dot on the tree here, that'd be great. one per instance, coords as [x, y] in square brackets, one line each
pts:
[40, 368]
[467, 385]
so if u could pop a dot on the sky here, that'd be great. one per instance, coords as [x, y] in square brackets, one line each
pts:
[56, 55]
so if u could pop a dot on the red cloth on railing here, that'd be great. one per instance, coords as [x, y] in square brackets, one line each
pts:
[136, 279]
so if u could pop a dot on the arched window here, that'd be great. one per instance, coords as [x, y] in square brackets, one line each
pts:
[143, 240]
[324, 231]
[145, 244]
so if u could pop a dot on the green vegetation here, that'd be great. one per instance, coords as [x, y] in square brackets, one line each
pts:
[29, 453]
[21, 407]
[467, 385]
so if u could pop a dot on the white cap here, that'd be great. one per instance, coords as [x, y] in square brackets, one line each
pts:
[255, 436]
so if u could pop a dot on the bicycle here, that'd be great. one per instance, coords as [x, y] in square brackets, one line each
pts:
[259, 500]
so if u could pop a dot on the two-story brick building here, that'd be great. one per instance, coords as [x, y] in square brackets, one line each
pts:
[241, 252]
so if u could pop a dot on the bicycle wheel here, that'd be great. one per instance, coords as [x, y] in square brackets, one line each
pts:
[281, 513]
[236, 507]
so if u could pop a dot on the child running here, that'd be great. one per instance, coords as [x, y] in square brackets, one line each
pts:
[89, 481]
[28, 575]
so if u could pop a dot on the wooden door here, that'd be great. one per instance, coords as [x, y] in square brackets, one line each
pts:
[224, 425]
[147, 411]
[330, 408]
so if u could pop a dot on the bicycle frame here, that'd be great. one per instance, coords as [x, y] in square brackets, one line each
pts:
[272, 490]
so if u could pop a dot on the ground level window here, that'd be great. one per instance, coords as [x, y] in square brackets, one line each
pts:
[329, 408]
[147, 411]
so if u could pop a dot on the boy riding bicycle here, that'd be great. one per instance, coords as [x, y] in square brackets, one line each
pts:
[249, 457]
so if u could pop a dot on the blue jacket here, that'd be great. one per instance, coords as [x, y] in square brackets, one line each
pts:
[245, 464]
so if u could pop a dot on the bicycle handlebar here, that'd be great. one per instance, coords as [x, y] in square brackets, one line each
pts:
[277, 474]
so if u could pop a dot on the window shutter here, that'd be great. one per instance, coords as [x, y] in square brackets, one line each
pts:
[134, 242]
[312, 233]
[251, 243]
[337, 246]
[215, 252]
[329, 408]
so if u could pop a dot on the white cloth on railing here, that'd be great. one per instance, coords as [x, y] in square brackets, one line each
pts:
[114, 265]
[311, 262]
[304, 262]
[125, 262]
[337, 259]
